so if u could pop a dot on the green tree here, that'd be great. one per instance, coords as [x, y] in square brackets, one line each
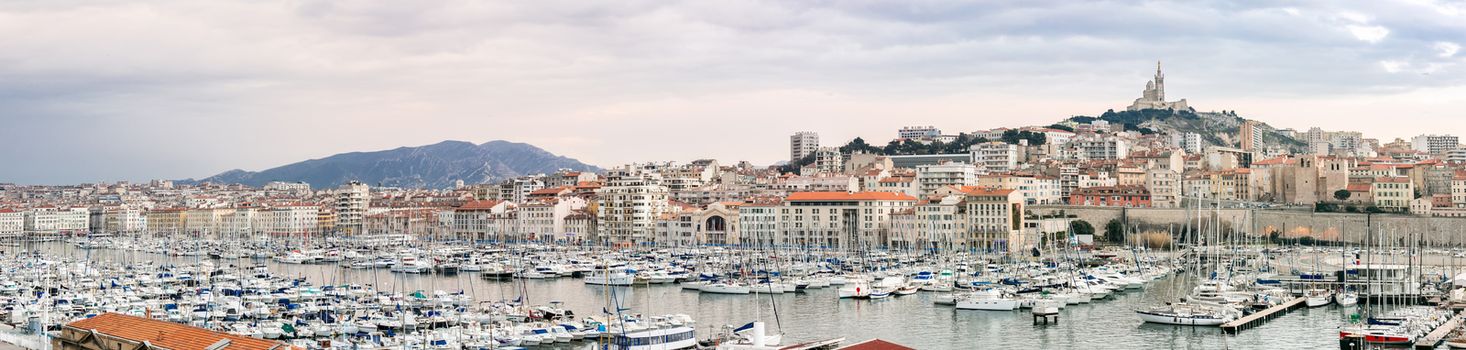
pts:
[1115, 232]
[1341, 195]
[859, 145]
[1081, 227]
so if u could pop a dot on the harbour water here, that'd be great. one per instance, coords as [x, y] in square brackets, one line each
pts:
[909, 320]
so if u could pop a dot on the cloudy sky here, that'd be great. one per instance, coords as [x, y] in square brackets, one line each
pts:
[129, 90]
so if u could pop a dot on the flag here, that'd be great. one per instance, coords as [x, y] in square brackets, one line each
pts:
[743, 328]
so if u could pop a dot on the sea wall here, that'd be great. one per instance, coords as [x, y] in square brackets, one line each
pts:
[1349, 227]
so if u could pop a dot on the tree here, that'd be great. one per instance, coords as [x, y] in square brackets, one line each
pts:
[859, 145]
[1115, 232]
[1061, 127]
[1341, 195]
[1081, 227]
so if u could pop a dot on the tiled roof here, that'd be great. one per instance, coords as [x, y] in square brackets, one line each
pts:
[984, 191]
[174, 336]
[479, 205]
[847, 196]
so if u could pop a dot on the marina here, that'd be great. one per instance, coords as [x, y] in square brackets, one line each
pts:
[474, 303]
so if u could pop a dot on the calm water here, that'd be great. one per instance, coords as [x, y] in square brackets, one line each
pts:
[910, 320]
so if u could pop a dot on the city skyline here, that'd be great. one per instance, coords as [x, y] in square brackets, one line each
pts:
[180, 90]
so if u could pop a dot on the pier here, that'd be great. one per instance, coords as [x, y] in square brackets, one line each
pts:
[1258, 318]
[1440, 333]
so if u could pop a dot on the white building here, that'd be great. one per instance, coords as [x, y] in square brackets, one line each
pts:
[629, 205]
[12, 223]
[1032, 189]
[293, 187]
[1098, 147]
[995, 157]
[929, 178]
[483, 220]
[759, 223]
[124, 221]
[802, 144]
[293, 219]
[918, 132]
[543, 218]
[839, 219]
[57, 220]
[353, 200]
[828, 160]
[1164, 186]
[1435, 144]
[1191, 143]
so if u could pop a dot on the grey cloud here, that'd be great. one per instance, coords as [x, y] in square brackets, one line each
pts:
[293, 80]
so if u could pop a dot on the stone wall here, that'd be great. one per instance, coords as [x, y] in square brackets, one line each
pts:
[1350, 227]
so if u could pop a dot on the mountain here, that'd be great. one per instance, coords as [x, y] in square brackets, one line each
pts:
[1216, 128]
[432, 166]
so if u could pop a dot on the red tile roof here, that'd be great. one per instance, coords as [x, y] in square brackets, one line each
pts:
[479, 205]
[174, 336]
[847, 196]
[984, 191]
[550, 191]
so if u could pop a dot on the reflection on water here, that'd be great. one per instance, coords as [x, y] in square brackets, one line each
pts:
[910, 320]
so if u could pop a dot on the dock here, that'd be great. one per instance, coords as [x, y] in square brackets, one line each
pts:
[1440, 333]
[1258, 318]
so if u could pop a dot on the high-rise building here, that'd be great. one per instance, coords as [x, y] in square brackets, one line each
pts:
[352, 201]
[1435, 144]
[802, 144]
[1191, 142]
[1251, 136]
[629, 205]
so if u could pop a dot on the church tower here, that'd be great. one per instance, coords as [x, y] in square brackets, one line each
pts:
[1160, 83]
[1154, 96]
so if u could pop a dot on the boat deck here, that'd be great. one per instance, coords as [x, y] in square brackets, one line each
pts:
[1258, 318]
[1440, 333]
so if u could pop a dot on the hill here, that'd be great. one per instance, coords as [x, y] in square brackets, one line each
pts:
[1216, 128]
[437, 165]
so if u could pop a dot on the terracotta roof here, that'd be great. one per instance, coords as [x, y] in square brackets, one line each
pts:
[847, 196]
[174, 336]
[984, 191]
[550, 191]
[479, 205]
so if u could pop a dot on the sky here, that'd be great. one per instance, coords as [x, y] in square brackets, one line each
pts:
[135, 90]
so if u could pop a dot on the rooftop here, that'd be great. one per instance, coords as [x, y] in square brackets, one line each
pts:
[848, 196]
[174, 336]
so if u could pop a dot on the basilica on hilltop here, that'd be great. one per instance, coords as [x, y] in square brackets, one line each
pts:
[1154, 96]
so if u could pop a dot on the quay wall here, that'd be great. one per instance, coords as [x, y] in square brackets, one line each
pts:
[1350, 227]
